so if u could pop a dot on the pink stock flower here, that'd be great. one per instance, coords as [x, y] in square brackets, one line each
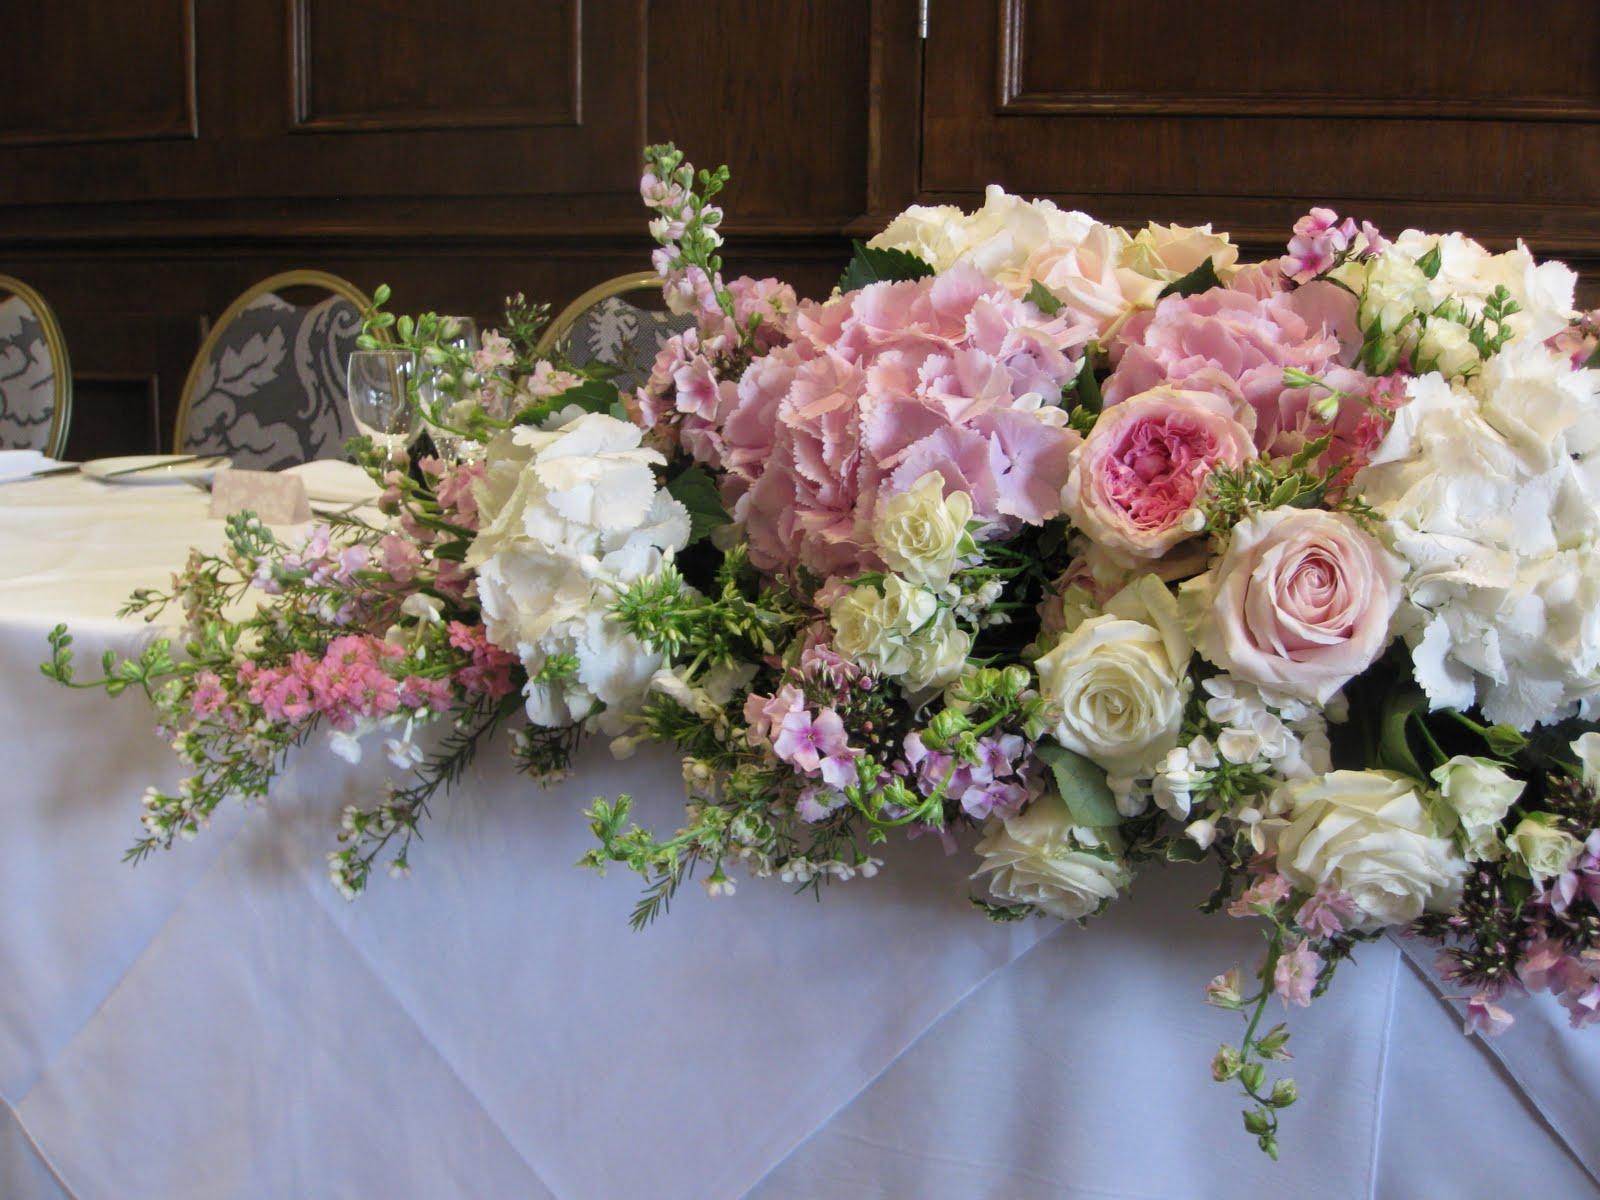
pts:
[494, 352]
[1144, 464]
[418, 692]
[488, 672]
[1328, 912]
[399, 558]
[1295, 974]
[1318, 237]
[1486, 1017]
[1269, 891]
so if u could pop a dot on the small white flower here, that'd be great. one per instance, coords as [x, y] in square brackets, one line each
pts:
[1203, 833]
[424, 607]
[1239, 745]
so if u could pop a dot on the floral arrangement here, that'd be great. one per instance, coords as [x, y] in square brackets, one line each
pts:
[1077, 548]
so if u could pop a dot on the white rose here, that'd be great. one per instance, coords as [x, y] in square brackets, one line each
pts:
[1587, 748]
[1468, 274]
[998, 239]
[1368, 833]
[939, 651]
[920, 532]
[1168, 252]
[1039, 857]
[1393, 292]
[1480, 793]
[1542, 847]
[1447, 348]
[1119, 680]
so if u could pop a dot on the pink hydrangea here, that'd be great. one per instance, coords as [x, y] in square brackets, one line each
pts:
[1237, 345]
[877, 388]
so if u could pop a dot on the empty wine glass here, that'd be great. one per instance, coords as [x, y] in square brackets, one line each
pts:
[460, 333]
[379, 392]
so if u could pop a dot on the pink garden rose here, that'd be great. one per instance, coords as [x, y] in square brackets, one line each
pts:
[1143, 466]
[1087, 277]
[1299, 603]
[1236, 344]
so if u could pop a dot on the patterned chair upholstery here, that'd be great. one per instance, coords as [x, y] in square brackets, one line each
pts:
[35, 379]
[268, 387]
[601, 326]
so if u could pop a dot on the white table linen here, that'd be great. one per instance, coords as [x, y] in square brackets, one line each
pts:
[219, 1023]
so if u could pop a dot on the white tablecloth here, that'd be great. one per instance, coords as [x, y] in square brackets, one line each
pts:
[219, 1023]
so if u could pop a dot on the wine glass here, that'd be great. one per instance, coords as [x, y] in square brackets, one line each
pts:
[459, 333]
[379, 392]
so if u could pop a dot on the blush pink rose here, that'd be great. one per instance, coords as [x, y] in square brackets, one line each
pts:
[1143, 465]
[1300, 602]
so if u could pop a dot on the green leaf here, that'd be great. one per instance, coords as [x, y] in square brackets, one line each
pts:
[1044, 298]
[1082, 785]
[1394, 747]
[1428, 264]
[872, 264]
[592, 395]
[1516, 890]
[1202, 279]
[1088, 386]
[1594, 359]
[1310, 452]
[697, 491]
[1186, 849]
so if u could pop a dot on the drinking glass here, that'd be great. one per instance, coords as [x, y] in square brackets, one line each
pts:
[379, 392]
[460, 333]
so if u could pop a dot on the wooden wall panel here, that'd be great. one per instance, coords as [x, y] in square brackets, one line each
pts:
[69, 77]
[156, 159]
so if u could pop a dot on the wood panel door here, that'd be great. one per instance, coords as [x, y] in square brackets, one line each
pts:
[1433, 113]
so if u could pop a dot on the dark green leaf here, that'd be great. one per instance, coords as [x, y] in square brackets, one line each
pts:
[1428, 264]
[1594, 359]
[592, 395]
[1202, 279]
[1089, 388]
[1082, 785]
[1044, 298]
[1516, 889]
[874, 265]
[1310, 452]
[1185, 849]
[697, 491]
[1394, 747]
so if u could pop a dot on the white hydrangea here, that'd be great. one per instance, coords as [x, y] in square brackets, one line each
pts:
[1491, 493]
[997, 239]
[1469, 273]
[569, 516]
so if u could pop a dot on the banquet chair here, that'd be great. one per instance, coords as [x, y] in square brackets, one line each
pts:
[601, 326]
[267, 387]
[35, 375]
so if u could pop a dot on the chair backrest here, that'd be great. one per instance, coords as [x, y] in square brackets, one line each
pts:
[35, 376]
[267, 388]
[601, 326]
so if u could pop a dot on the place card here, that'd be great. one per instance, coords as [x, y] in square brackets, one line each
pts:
[276, 499]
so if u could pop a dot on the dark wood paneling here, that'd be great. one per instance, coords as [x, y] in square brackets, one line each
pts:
[122, 72]
[464, 151]
[395, 65]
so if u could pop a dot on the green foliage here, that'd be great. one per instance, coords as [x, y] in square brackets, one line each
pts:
[870, 264]
[697, 492]
[1202, 279]
[1043, 298]
[1081, 784]
[592, 395]
[1394, 745]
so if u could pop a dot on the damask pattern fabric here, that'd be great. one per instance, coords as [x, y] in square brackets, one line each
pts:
[625, 337]
[271, 394]
[27, 378]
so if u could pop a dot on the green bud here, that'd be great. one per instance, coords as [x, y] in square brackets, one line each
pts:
[1269, 1146]
[1284, 1093]
[1271, 1044]
[1015, 680]
[1504, 741]
[1252, 1075]
[1225, 1065]
[1257, 1121]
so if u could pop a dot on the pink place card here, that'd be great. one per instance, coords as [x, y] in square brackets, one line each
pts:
[276, 499]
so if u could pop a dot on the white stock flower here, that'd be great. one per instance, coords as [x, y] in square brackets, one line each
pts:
[1481, 794]
[1392, 292]
[1120, 680]
[919, 532]
[569, 516]
[1490, 492]
[1587, 748]
[1368, 833]
[1446, 347]
[1039, 857]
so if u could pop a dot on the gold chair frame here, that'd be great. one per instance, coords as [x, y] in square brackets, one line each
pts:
[55, 343]
[275, 283]
[558, 329]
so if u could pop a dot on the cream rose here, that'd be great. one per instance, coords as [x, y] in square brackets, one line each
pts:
[921, 532]
[902, 630]
[1543, 847]
[1119, 680]
[1168, 252]
[1480, 793]
[1039, 857]
[1369, 834]
[1300, 602]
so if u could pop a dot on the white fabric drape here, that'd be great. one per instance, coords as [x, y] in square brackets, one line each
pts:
[217, 1022]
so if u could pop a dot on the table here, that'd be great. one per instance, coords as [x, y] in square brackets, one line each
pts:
[218, 1022]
